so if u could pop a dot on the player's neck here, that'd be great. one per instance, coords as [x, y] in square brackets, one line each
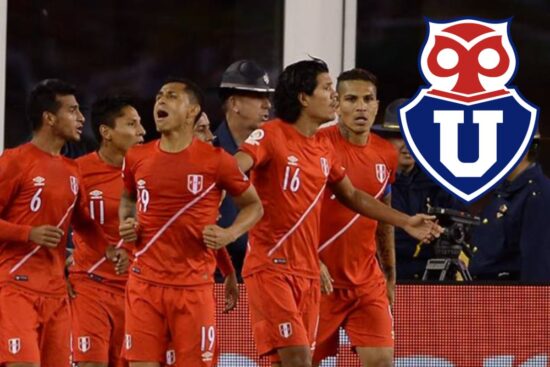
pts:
[111, 155]
[352, 137]
[175, 141]
[47, 142]
[238, 130]
[306, 125]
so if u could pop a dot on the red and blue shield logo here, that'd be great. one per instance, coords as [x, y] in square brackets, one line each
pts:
[469, 128]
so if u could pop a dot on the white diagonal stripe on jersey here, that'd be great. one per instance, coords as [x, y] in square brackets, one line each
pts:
[297, 224]
[34, 250]
[102, 260]
[174, 217]
[354, 219]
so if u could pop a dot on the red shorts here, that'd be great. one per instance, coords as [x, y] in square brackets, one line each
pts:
[97, 322]
[364, 314]
[156, 314]
[34, 328]
[284, 311]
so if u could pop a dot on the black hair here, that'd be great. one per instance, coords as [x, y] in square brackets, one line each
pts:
[357, 74]
[194, 92]
[43, 97]
[300, 77]
[106, 110]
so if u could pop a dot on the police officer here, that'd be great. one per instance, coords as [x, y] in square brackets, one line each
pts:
[245, 92]
[412, 192]
[513, 239]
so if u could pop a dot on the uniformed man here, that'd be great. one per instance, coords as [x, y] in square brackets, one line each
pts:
[513, 240]
[245, 92]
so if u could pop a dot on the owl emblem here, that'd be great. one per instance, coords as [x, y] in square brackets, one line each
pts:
[468, 58]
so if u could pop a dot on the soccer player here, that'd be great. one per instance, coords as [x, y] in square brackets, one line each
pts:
[40, 196]
[291, 167]
[357, 294]
[98, 305]
[175, 184]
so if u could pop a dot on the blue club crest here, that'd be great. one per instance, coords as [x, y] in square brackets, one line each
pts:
[468, 130]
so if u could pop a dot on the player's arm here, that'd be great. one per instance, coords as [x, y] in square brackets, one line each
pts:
[420, 226]
[244, 160]
[385, 246]
[44, 235]
[250, 212]
[127, 216]
[230, 279]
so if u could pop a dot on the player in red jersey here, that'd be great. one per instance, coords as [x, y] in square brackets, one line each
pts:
[175, 184]
[98, 303]
[291, 167]
[40, 196]
[357, 295]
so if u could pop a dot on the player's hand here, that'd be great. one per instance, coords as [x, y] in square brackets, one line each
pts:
[70, 289]
[46, 235]
[423, 227]
[326, 280]
[231, 292]
[119, 258]
[128, 230]
[216, 237]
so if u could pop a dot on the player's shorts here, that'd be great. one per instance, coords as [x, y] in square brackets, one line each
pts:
[363, 312]
[34, 328]
[156, 314]
[97, 322]
[284, 311]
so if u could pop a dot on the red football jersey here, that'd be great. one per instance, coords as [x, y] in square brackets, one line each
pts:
[170, 249]
[103, 185]
[37, 189]
[290, 174]
[348, 246]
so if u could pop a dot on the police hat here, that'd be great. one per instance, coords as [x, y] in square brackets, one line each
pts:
[245, 75]
[391, 121]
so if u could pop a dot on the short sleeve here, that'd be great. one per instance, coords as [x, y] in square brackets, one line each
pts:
[128, 175]
[258, 146]
[9, 176]
[230, 177]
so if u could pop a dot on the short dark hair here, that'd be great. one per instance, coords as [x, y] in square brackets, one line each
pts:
[43, 97]
[106, 110]
[357, 74]
[194, 92]
[300, 77]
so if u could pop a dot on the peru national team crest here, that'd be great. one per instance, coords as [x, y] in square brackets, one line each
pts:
[381, 172]
[468, 129]
[194, 183]
[84, 343]
[14, 345]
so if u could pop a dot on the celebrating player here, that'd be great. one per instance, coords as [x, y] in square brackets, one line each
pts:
[291, 168]
[98, 303]
[175, 184]
[40, 196]
[360, 300]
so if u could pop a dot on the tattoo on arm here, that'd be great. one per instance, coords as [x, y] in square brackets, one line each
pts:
[385, 244]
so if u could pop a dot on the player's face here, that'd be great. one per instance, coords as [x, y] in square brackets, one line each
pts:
[321, 105]
[253, 109]
[404, 158]
[173, 108]
[358, 105]
[128, 130]
[202, 129]
[68, 121]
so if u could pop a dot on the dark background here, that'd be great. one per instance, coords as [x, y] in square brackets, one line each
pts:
[132, 46]
[390, 35]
